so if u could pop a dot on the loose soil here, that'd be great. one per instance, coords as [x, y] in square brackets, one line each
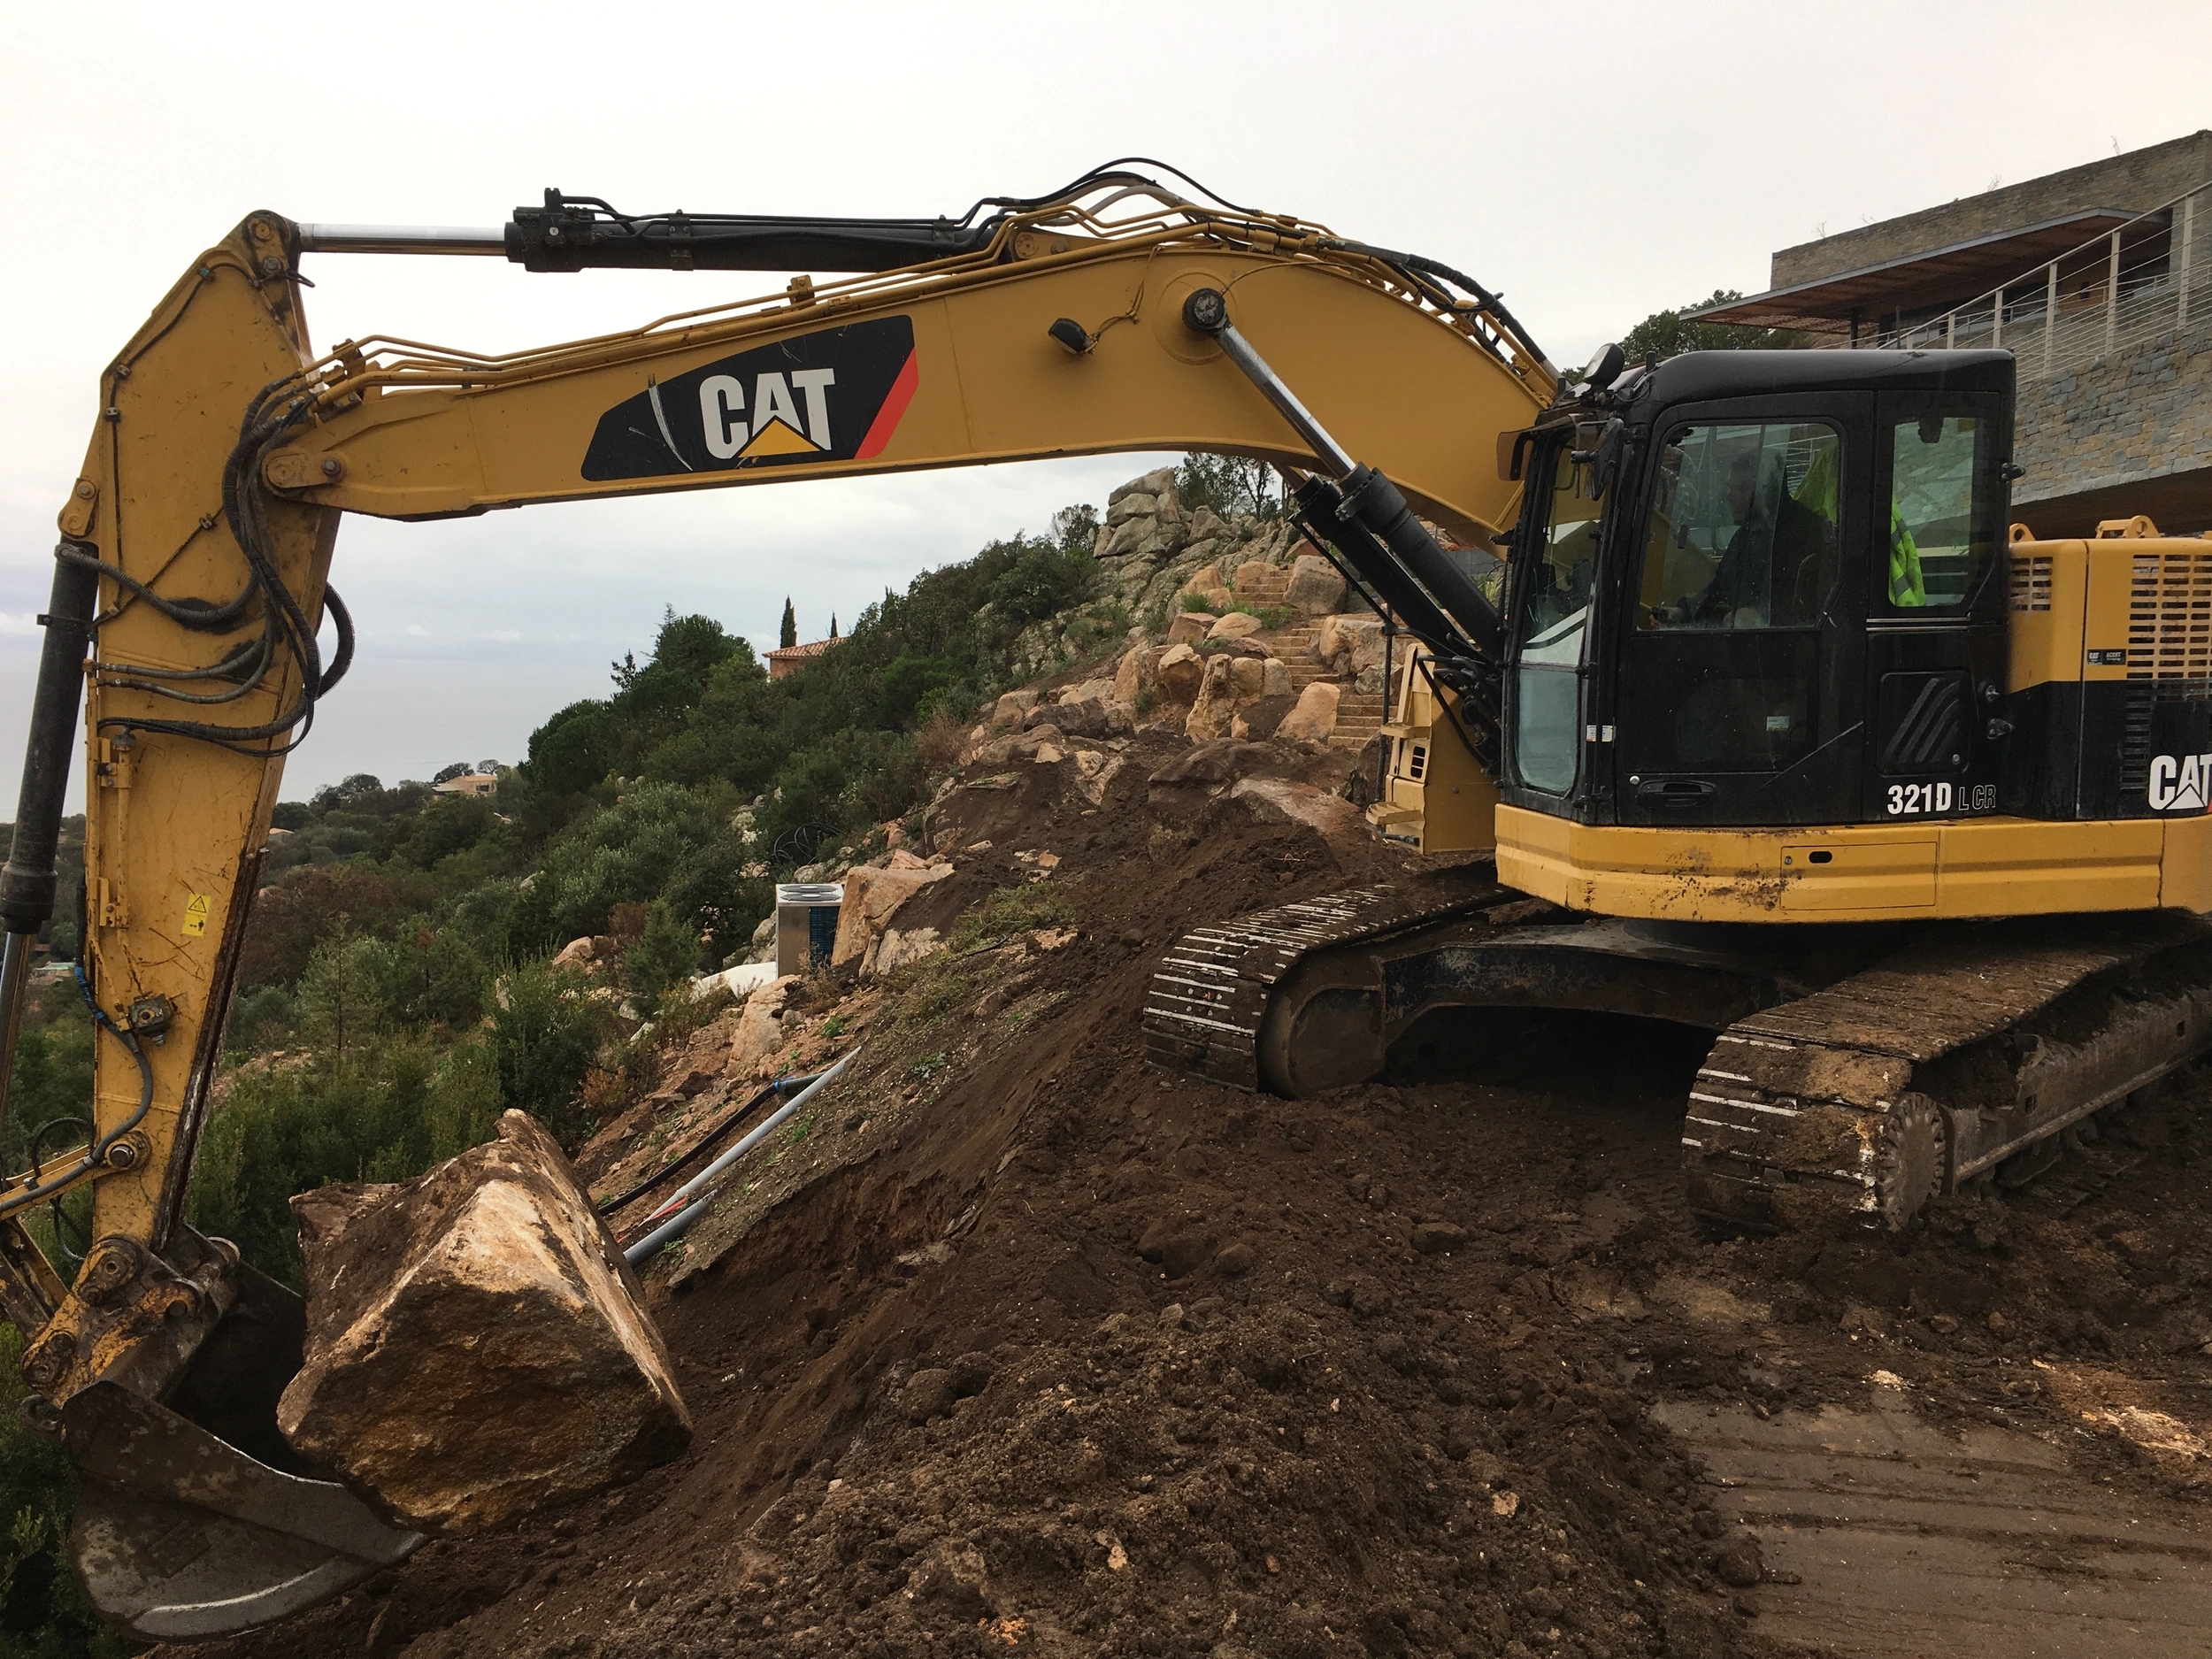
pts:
[1019, 1345]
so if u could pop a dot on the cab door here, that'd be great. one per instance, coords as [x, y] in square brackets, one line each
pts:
[1936, 618]
[1736, 697]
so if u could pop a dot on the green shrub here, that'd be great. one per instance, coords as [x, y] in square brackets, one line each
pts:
[545, 1031]
[665, 954]
[43, 1613]
[1008, 911]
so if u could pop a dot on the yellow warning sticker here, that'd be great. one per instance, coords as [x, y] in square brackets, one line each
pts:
[194, 915]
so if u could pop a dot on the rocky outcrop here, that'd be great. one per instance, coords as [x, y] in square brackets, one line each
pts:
[1232, 687]
[873, 897]
[1151, 550]
[476, 1345]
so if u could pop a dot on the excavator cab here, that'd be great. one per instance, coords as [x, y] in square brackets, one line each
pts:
[1778, 602]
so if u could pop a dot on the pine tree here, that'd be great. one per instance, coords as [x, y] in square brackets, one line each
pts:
[790, 636]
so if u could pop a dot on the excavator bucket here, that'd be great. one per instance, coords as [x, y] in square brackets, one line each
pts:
[181, 1536]
[195, 1518]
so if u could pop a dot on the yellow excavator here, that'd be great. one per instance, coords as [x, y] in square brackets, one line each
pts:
[1770, 728]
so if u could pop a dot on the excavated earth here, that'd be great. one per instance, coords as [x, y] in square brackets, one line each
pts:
[1018, 1344]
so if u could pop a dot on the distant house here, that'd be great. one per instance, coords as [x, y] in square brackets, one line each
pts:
[791, 658]
[476, 783]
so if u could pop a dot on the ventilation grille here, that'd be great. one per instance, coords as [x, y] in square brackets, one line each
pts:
[2169, 617]
[2135, 743]
[1417, 760]
[2032, 581]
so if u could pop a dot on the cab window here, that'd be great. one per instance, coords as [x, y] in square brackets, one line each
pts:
[1936, 546]
[1557, 577]
[1743, 527]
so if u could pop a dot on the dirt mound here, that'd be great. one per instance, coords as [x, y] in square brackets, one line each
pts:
[1021, 1346]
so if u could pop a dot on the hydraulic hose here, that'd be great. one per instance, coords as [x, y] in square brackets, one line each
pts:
[27, 883]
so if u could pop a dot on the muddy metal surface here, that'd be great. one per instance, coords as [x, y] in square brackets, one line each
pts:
[1028, 1348]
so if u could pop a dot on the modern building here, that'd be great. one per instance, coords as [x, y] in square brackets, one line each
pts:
[472, 783]
[2099, 278]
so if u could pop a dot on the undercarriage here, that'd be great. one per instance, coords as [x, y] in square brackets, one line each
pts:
[1855, 1072]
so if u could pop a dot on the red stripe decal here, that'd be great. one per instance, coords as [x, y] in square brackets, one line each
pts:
[894, 410]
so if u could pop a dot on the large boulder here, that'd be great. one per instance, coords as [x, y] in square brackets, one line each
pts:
[873, 894]
[1235, 625]
[1350, 644]
[1314, 716]
[1215, 704]
[1137, 673]
[1190, 627]
[1178, 672]
[1136, 504]
[1008, 712]
[1315, 589]
[760, 1028]
[476, 1348]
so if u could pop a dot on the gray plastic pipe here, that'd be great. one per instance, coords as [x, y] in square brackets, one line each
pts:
[679, 1224]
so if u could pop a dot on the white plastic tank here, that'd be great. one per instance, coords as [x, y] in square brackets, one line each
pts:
[806, 924]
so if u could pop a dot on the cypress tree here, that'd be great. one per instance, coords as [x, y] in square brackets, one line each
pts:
[789, 637]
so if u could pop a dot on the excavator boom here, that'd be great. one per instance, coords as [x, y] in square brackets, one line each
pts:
[196, 547]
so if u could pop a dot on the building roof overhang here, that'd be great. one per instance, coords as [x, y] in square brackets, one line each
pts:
[1940, 277]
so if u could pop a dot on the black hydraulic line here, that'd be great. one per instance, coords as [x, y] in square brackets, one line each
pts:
[782, 1084]
[1485, 300]
[342, 619]
[1320, 505]
[1482, 743]
[1373, 501]
[26, 884]
[578, 233]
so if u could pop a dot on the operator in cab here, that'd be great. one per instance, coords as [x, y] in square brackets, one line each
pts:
[1767, 572]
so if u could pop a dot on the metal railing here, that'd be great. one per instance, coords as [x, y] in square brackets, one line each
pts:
[2111, 294]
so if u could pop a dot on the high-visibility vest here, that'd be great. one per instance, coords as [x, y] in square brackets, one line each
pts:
[1817, 493]
[1906, 589]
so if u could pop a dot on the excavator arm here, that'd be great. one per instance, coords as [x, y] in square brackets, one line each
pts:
[194, 555]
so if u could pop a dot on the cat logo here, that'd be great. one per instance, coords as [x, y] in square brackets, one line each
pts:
[836, 395]
[2180, 785]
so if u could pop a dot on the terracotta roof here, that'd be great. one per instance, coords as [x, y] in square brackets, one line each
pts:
[799, 653]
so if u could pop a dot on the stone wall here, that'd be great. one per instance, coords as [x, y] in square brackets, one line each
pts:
[2141, 415]
[2138, 181]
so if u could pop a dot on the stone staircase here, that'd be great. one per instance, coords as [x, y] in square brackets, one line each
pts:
[1359, 714]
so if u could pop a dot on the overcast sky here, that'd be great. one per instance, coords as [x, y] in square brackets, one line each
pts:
[1594, 162]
